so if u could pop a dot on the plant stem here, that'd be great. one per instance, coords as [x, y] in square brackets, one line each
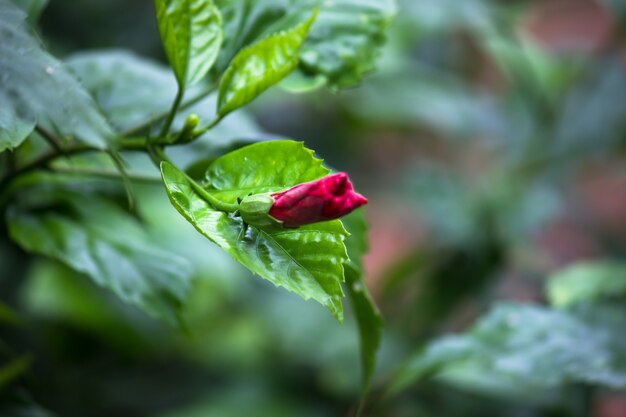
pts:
[172, 113]
[50, 138]
[138, 128]
[154, 149]
[206, 128]
[220, 205]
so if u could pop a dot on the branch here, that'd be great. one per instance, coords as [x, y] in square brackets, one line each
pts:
[170, 117]
[50, 138]
[142, 126]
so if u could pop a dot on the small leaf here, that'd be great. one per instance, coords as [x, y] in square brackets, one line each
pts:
[191, 31]
[34, 85]
[258, 67]
[307, 261]
[94, 237]
[368, 317]
[529, 348]
[587, 282]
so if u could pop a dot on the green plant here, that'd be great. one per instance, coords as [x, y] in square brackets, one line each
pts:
[75, 133]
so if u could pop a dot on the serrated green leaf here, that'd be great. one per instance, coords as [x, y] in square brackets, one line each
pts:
[369, 319]
[259, 66]
[587, 282]
[262, 167]
[94, 237]
[36, 86]
[307, 261]
[528, 347]
[191, 31]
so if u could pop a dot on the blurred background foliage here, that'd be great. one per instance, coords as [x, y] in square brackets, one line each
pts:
[490, 140]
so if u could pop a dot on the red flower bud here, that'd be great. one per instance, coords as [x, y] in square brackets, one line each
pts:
[324, 199]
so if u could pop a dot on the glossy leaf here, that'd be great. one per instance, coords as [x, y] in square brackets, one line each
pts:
[94, 237]
[259, 66]
[587, 282]
[36, 86]
[369, 319]
[530, 346]
[244, 23]
[307, 261]
[191, 31]
[345, 41]
[262, 167]
[342, 45]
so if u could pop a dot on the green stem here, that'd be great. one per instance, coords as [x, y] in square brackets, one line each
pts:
[206, 128]
[142, 126]
[220, 205]
[172, 113]
[50, 138]
[119, 164]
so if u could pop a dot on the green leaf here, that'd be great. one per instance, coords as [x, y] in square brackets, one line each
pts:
[307, 261]
[530, 348]
[95, 237]
[13, 128]
[342, 45]
[34, 85]
[52, 292]
[191, 31]
[345, 41]
[129, 89]
[244, 23]
[258, 67]
[587, 281]
[368, 317]
[262, 167]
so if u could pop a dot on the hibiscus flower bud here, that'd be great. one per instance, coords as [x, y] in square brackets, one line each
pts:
[324, 199]
[187, 133]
